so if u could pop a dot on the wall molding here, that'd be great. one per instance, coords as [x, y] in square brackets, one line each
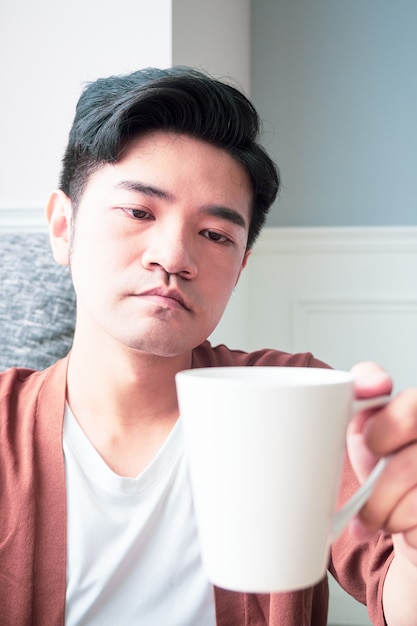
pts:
[335, 239]
[20, 218]
[322, 316]
[309, 306]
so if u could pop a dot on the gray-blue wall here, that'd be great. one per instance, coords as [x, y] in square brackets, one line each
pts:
[336, 83]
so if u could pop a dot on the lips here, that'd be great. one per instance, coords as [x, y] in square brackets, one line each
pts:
[167, 295]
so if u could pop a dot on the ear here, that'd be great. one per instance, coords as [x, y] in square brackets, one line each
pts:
[58, 212]
[242, 267]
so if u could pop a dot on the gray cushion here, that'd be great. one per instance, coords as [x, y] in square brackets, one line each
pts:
[37, 302]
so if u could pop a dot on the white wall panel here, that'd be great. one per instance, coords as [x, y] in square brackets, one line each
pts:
[346, 294]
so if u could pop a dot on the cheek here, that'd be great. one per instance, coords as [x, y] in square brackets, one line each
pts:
[94, 247]
[92, 268]
[219, 283]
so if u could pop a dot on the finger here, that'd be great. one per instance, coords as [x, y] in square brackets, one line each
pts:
[394, 426]
[370, 380]
[408, 540]
[404, 517]
[398, 479]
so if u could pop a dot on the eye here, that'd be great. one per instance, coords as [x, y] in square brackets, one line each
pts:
[137, 214]
[216, 237]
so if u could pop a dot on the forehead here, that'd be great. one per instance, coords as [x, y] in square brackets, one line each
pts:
[153, 142]
[176, 157]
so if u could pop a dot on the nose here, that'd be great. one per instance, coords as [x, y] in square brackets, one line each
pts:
[170, 249]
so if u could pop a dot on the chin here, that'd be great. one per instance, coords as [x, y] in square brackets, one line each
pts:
[160, 349]
[163, 344]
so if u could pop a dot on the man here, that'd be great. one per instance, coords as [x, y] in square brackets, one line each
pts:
[163, 191]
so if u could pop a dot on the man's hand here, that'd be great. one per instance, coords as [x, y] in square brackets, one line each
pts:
[387, 431]
[390, 431]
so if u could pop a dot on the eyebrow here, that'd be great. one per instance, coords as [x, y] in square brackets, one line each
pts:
[225, 213]
[148, 190]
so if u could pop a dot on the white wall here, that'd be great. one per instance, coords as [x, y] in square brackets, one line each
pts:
[48, 50]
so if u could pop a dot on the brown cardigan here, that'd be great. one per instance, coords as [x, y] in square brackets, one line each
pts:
[33, 513]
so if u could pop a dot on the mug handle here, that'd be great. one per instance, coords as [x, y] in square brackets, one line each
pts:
[356, 502]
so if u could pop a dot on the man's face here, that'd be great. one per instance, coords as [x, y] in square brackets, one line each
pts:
[159, 243]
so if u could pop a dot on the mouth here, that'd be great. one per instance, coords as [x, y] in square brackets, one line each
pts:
[168, 298]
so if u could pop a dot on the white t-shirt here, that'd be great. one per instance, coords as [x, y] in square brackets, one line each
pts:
[133, 554]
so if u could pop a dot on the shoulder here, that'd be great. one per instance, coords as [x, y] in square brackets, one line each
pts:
[32, 406]
[18, 378]
[23, 390]
[206, 355]
[19, 392]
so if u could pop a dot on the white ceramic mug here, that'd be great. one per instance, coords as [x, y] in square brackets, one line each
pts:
[265, 449]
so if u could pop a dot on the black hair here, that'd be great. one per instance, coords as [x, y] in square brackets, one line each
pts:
[112, 111]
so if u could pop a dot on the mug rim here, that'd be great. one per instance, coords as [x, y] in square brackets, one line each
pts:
[266, 375]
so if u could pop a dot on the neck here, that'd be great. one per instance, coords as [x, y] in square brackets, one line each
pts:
[124, 400]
